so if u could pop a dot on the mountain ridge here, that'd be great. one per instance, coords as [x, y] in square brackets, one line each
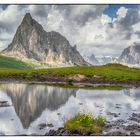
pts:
[32, 42]
[131, 54]
[91, 59]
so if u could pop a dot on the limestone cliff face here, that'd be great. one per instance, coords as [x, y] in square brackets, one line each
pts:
[131, 55]
[33, 42]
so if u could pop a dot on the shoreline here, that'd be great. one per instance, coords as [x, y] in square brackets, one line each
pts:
[108, 74]
[80, 84]
[111, 128]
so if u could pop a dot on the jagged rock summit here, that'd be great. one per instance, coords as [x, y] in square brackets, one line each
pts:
[131, 55]
[91, 59]
[32, 42]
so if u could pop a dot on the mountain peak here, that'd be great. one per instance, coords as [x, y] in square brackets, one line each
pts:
[32, 42]
[131, 55]
[27, 16]
[28, 23]
[27, 19]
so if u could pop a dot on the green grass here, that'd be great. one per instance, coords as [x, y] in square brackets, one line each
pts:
[12, 63]
[111, 71]
[85, 124]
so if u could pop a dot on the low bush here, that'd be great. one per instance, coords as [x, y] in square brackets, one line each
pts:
[85, 124]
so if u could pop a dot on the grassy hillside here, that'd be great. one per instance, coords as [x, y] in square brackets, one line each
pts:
[111, 71]
[12, 63]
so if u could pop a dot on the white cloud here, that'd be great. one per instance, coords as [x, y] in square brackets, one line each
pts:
[84, 25]
[122, 12]
[10, 18]
[105, 19]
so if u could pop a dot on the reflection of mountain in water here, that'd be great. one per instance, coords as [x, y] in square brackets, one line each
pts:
[29, 101]
[134, 93]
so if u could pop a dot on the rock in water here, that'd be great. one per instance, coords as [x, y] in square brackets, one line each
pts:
[32, 42]
[131, 55]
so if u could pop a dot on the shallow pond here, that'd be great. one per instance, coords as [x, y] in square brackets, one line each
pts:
[35, 109]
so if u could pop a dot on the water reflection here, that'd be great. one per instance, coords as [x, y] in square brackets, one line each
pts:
[36, 104]
[133, 92]
[30, 100]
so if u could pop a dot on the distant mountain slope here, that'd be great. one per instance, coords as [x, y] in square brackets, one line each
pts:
[106, 60]
[31, 41]
[12, 63]
[92, 59]
[131, 55]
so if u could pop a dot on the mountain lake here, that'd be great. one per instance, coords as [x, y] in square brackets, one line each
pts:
[34, 109]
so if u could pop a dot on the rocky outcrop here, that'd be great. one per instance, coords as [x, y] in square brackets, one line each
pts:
[112, 128]
[131, 55]
[31, 41]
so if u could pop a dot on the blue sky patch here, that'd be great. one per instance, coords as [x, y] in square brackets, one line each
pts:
[113, 8]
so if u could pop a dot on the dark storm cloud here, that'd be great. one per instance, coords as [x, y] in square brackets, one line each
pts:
[81, 13]
[3, 39]
[6, 27]
[132, 17]
[124, 24]
[138, 33]
[39, 10]
[128, 36]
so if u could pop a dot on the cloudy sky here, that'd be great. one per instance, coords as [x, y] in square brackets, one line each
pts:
[98, 29]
